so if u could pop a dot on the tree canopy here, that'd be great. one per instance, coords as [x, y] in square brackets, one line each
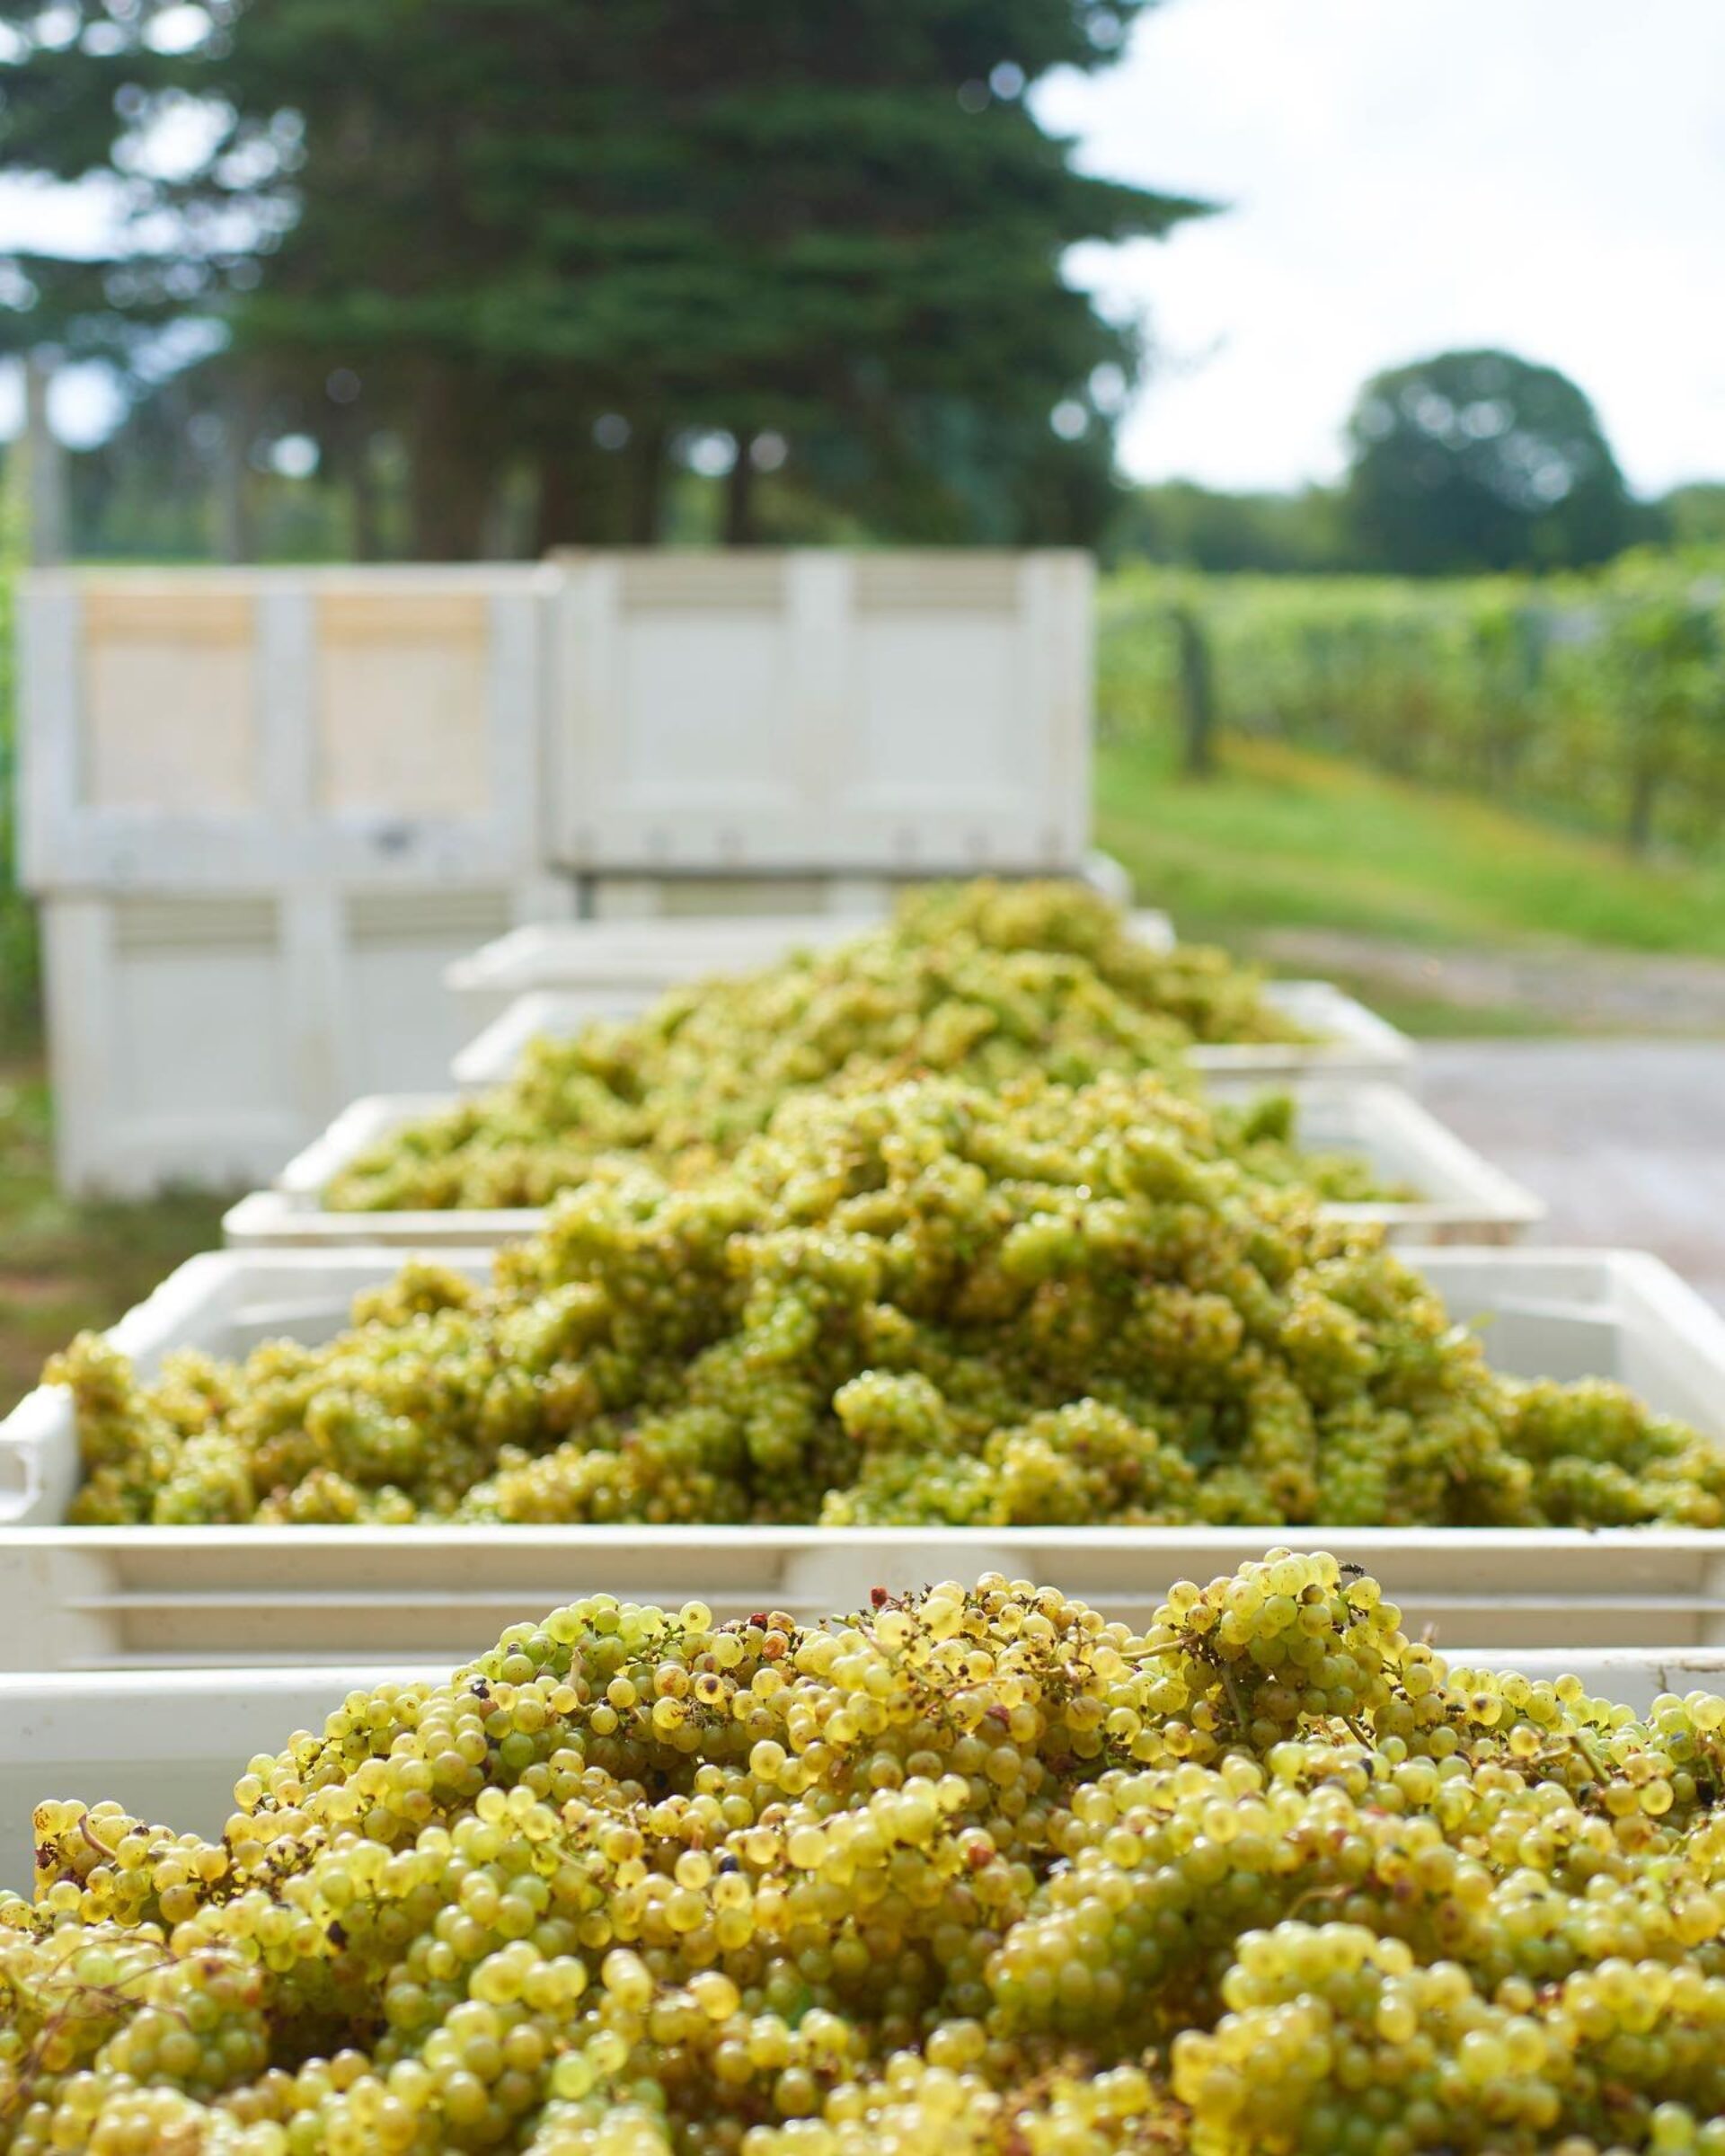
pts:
[1479, 461]
[560, 236]
[1191, 526]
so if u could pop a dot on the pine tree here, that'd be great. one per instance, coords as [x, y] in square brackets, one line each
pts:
[560, 234]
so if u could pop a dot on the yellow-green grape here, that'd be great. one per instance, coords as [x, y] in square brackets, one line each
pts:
[1281, 1641]
[924, 1301]
[985, 982]
[973, 1870]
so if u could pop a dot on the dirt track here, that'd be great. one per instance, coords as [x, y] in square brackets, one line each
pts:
[1616, 991]
[1623, 1139]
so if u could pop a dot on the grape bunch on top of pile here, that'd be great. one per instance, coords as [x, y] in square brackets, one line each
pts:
[985, 982]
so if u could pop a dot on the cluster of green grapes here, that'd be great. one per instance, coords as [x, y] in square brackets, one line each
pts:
[986, 982]
[928, 1304]
[1204, 991]
[973, 1874]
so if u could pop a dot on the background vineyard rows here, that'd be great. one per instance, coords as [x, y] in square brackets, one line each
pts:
[1596, 700]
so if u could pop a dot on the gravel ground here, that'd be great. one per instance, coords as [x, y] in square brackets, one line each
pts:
[1623, 1139]
[1626, 992]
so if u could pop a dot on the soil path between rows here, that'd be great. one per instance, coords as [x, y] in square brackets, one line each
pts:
[1627, 992]
[1625, 1140]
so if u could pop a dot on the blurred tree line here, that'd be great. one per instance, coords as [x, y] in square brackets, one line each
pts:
[510, 273]
[1461, 464]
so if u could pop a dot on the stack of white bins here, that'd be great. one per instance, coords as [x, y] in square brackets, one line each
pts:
[269, 824]
[264, 809]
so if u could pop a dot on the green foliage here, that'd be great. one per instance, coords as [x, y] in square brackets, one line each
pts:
[66, 1265]
[1663, 669]
[1479, 461]
[515, 220]
[1599, 700]
[1188, 526]
[1285, 838]
[1694, 515]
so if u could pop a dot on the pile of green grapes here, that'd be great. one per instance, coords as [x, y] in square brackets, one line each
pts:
[973, 1874]
[986, 982]
[928, 1304]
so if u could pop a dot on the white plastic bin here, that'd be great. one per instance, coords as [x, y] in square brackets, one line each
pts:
[746, 712]
[243, 729]
[639, 960]
[114, 1597]
[1354, 1043]
[1465, 1199]
[170, 1744]
[636, 960]
[201, 1038]
[686, 897]
[1462, 1197]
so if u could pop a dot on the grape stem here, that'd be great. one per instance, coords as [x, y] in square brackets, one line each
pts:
[1234, 1700]
[1599, 1773]
[75, 2007]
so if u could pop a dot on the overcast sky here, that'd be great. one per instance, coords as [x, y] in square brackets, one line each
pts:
[1400, 176]
[1407, 175]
